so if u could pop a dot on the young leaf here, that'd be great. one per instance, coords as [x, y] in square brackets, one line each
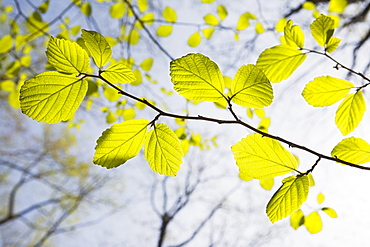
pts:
[163, 150]
[313, 222]
[332, 44]
[322, 29]
[208, 32]
[117, 10]
[279, 62]
[350, 112]
[293, 35]
[288, 198]
[251, 88]
[211, 20]
[222, 12]
[267, 183]
[67, 56]
[194, 39]
[354, 150]
[243, 21]
[164, 31]
[169, 14]
[326, 90]
[320, 198]
[118, 73]
[98, 47]
[6, 43]
[262, 157]
[196, 77]
[329, 211]
[120, 143]
[51, 97]
[297, 219]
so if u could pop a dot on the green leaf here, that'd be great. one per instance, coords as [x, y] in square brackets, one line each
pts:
[243, 21]
[164, 31]
[211, 20]
[329, 211]
[262, 157]
[208, 32]
[147, 64]
[120, 143]
[86, 9]
[322, 29]
[163, 150]
[267, 183]
[332, 44]
[117, 10]
[350, 112]
[133, 38]
[169, 14]
[297, 219]
[194, 39]
[196, 77]
[51, 97]
[6, 43]
[279, 62]
[293, 35]
[98, 47]
[222, 12]
[251, 88]
[143, 5]
[354, 150]
[326, 90]
[67, 56]
[259, 28]
[337, 6]
[118, 73]
[288, 198]
[313, 222]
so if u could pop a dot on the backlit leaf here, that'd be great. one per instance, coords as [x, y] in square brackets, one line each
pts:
[293, 35]
[118, 73]
[196, 77]
[280, 25]
[267, 183]
[297, 219]
[117, 10]
[244, 176]
[208, 1]
[98, 47]
[279, 62]
[288, 198]
[326, 90]
[320, 198]
[251, 88]
[222, 12]
[259, 28]
[51, 97]
[350, 112]
[6, 43]
[313, 222]
[147, 64]
[329, 211]
[164, 31]
[208, 32]
[133, 38]
[322, 29]
[67, 56]
[143, 5]
[262, 157]
[243, 21]
[86, 9]
[332, 44]
[354, 150]
[337, 6]
[163, 150]
[194, 39]
[211, 20]
[169, 14]
[120, 142]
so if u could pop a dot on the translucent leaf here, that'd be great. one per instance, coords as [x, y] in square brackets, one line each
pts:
[98, 47]
[308, 5]
[354, 150]
[208, 32]
[147, 64]
[120, 143]
[288, 198]
[117, 10]
[194, 39]
[350, 112]
[329, 211]
[44, 6]
[279, 62]
[326, 90]
[51, 97]
[251, 88]
[164, 31]
[280, 25]
[128, 114]
[169, 14]
[313, 222]
[208, 1]
[259, 28]
[297, 219]
[138, 76]
[293, 35]
[262, 157]
[86, 9]
[133, 38]
[244, 176]
[67, 56]
[143, 5]
[148, 18]
[211, 20]
[320, 198]
[222, 12]
[111, 94]
[322, 29]
[196, 77]
[332, 44]
[267, 183]
[118, 73]
[6, 43]
[243, 21]
[163, 150]
[337, 6]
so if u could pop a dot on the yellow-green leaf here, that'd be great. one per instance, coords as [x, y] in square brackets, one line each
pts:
[208, 32]
[6, 43]
[332, 44]
[67, 56]
[133, 38]
[308, 5]
[313, 222]
[279, 62]
[86, 9]
[211, 20]
[111, 94]
[293, 35]
[329, 211]
[118, 73]
[251, 88]
[243, 21]
[51, 97]
[194, 39]
[267, 183]
[297, 219]
[143, 5]
[120, 143]
[322, 29]
[117, 10]
[350, 112]
[244, 176]
[147, 64]
[169, 14]
[259, 28]
[163, 150]
[326, 90]
[98, 47]
[354, 150]
[288, 198]
[337, 6]
[320, 198]
[208, 1]
[222, 12]
[148, 18]
[196, 77]
[262, 157]
[164, 31]
[280, 25]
